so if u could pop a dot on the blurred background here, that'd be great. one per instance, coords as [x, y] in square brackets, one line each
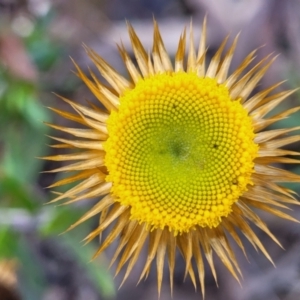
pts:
[37, 38]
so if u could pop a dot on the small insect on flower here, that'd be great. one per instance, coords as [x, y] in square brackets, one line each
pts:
[180, 157]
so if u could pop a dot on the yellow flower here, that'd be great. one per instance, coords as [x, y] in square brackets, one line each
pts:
[180, 156]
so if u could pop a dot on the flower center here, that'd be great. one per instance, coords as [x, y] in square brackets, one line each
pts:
[180, 151]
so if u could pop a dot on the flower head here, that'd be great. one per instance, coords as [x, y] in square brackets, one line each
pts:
[180, 155]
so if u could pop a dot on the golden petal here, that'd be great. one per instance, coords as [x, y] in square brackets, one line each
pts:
[276, 174]
[150, 66]
[135, 255]
[180, 53]
[78, 132]
[276, 159]
[116, 211]
[139, 51]
[165, 59]
[61, 146]
[250, 235]
[233, 78]
[131, 68]
[93, 124]
[99, 190]
[224, 67]
[185, 246]
[205, 243]
[244, 86]
[233, 232]
[117, 82]
[68, 115]
[248, 213]
[262, 124]
[192, 276]
[252, 83]
[98, 115]
[105, 202]
[103, 95]
[228, 250]
[74, 156]
[70, 179]
[113, 234]
[274, 211]
[255, 101]
[265, 136]
[215, 243]
[132, 243]
[171, 251]
[200, 266]
[260, 112]
[84, 165]
[191, 60]
[128, 232]
[80, 143]
[202, 50]
[275, 187]
[275, 152]
[264, 197]
[215, 61]
[154, 240]
[157, 63]
[160, 258]
[86, 184]
[103, 215]
[277, 143]
[277, 96]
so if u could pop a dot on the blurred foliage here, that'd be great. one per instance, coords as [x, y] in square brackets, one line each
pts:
[22, 140]
[43, 51]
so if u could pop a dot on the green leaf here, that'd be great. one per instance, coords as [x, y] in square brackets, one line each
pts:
[61, 218]
[22, 147]
[16, 194]
[8, 243]
[97, 269]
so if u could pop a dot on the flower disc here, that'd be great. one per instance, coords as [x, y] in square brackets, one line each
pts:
[176, 152]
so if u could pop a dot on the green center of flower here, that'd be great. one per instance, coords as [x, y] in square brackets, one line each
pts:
[180, 151]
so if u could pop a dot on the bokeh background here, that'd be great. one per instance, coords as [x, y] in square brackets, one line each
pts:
[37, 38]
